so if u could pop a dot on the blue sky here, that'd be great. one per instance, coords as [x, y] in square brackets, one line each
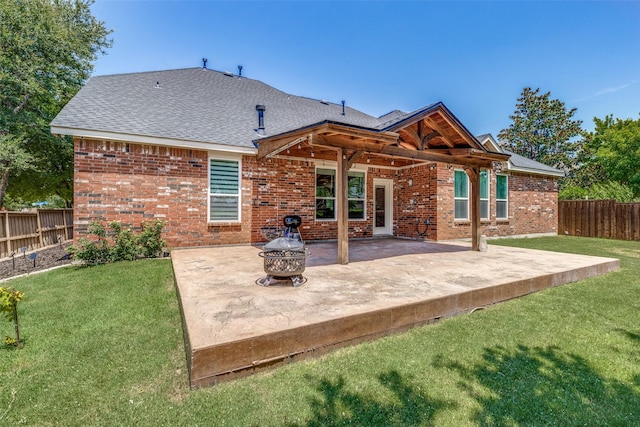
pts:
[476, 57]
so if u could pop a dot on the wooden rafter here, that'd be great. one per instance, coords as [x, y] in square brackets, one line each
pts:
[413, 137]
[432, 123]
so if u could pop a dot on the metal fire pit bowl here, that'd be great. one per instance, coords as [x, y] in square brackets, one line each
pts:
[284, 259]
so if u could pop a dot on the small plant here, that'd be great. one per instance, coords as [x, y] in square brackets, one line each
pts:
[150, 240]
[122, 244]
[125, 245]
[94, 251]
[9, 299]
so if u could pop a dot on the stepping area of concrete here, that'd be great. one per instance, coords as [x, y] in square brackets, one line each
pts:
[234, 327]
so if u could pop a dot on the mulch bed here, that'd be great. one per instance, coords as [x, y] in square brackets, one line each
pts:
[45, 258]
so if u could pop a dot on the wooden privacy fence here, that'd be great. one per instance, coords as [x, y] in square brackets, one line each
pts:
[599, 218]
[35, 229]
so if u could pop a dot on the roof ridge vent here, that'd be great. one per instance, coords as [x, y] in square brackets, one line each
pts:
[324, 101]
[228, 73]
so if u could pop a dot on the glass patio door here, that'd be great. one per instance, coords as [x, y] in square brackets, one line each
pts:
[382, 206]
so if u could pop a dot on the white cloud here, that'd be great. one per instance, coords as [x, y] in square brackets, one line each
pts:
[606, 91]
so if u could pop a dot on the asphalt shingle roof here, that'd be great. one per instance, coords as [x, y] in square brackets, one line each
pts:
[523, 162]
[203, 105]
[197, 104]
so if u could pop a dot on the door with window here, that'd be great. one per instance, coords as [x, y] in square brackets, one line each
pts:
[382, 207]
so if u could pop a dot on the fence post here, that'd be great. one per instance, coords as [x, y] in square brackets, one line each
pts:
[6, 224]
[39, 228]
[64, 222]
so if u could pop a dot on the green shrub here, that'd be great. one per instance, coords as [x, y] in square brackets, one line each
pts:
[572, 192]
[609, 190]
[92, 251]
[120, 244]
[150, 240]
[125, 244]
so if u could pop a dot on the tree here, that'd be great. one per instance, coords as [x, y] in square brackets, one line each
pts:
[542, 130]
[47, 50]
[615, 145]
[13, 158]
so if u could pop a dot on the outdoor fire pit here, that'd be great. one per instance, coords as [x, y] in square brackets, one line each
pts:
[285, 257]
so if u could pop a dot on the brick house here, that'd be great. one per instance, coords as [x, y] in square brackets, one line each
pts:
[219, 157]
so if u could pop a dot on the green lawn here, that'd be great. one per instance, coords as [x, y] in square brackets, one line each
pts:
[104, 346]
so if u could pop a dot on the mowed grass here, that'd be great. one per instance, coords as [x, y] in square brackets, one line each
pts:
[104, 346]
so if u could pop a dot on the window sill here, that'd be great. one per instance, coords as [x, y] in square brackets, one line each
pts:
[223, 223]
[335, 220]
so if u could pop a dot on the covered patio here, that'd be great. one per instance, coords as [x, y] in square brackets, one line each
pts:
[431, 134]
[233, 327]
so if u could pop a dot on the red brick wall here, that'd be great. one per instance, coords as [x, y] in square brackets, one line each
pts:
[134, 183]
[532, 207]
[282, 187]
[417, 202]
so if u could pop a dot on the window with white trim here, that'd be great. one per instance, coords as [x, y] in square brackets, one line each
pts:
[224, 190]
[326, 194]
[460, 195]
[355, 187]
[484, 194]
[502, 197]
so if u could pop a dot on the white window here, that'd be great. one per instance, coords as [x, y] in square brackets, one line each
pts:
[484, 194]
[326, 194]
[356, 186]
[224, 190]
[460, 195]
[502, 197]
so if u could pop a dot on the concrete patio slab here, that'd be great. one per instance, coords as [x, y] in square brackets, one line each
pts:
[234, 327]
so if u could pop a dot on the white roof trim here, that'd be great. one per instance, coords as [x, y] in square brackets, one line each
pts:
[151, 140]
[534, 171]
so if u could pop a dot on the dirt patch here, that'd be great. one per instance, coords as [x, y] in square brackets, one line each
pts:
[23, 263]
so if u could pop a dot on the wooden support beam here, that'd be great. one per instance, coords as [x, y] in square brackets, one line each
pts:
[273, 147]
[343, 207]
[342, 130]
[424, 142]
[353, 158]
[432, 156]
[432, 123]
[473, 153]
[476, 229]
[412, 136]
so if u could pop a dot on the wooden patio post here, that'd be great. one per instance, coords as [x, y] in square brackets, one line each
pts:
[343, 207]
[476, 230]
